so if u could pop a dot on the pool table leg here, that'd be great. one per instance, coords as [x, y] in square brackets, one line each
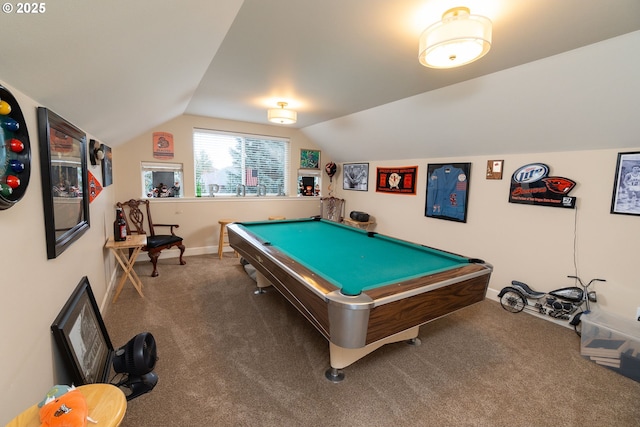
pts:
[262, 283]
[342, 357]
[414, 341]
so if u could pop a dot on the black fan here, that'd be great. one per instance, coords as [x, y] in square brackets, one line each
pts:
[137, 358]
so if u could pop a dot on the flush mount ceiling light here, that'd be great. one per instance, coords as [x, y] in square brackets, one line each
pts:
[460, 38]
[282, 116]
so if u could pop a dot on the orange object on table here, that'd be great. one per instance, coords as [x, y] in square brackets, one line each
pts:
[106, 404]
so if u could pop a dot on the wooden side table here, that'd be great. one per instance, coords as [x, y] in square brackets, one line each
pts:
[358, 224]
[121, 251]
[107, 405]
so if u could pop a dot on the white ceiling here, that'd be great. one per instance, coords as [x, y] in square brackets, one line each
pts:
[119, 68]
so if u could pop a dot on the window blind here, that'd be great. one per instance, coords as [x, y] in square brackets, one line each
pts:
[225, 161]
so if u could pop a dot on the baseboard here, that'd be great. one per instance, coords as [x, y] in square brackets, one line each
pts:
[111, 283]
[175, 253]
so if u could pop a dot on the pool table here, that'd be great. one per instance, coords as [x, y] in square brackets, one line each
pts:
[360, 289]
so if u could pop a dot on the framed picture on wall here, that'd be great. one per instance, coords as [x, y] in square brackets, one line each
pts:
[64, 174]
[355, 176]
[107, 167]
[309, 159]
[447, 191]
[626, 185]
[397, 180]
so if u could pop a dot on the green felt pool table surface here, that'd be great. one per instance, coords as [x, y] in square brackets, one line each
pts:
[352, 259]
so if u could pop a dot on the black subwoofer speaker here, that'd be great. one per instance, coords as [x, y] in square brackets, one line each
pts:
[359, 216]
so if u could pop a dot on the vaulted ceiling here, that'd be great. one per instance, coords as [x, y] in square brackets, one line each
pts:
[119, 68]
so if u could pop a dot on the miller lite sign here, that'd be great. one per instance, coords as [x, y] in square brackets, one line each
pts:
[532, 185]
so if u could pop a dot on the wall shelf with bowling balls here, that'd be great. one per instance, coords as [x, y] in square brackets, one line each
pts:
[15, 151]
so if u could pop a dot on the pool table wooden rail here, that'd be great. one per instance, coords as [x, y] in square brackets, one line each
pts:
[393, 317]
[287, 276]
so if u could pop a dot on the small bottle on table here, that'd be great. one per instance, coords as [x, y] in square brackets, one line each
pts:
[119, 227]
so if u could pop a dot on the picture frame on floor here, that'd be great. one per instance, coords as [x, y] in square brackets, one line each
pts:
[626, 184]
[81, 336]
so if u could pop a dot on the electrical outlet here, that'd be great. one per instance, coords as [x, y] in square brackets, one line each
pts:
[638, 314]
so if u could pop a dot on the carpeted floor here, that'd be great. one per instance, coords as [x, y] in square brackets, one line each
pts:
[228, 357]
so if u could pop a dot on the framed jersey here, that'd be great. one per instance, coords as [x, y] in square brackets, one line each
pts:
[626, 185]
[447, 191]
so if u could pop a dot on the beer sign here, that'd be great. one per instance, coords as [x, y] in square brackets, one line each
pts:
[532, 185]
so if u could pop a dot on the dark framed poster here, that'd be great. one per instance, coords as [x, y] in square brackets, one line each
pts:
[82, 337]
[447, 191]
[107, 167]
[397, 180]
[626, 185]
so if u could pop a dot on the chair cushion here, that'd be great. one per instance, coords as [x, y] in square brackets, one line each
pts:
[162, 240]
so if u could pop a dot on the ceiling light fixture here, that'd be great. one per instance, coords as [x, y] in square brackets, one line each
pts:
[282, 116]
[460, 38]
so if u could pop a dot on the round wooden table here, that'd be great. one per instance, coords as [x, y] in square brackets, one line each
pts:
[107, 405]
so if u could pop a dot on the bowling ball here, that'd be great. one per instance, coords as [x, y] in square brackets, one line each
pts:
[5, 190]
[16, 145]
[10, 124]
[5, 108]
[13, 181]
[16, 165]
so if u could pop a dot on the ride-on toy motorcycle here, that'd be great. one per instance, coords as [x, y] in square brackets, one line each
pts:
[559, 304]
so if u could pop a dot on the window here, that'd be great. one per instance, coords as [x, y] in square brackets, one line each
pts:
[239, 164]
[161, 179]
[309, 182]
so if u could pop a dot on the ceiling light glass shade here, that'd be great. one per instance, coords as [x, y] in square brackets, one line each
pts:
[460, 38]
[282, 116]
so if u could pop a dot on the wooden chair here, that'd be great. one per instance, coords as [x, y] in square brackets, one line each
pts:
[135, 219]
[332, 208]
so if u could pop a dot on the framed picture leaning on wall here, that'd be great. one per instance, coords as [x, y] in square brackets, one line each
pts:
[82, 337]
[626, 185]
[355, 176]
[447, 191]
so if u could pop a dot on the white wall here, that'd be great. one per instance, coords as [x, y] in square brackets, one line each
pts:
[534, 244]
[198, 217]
[530, 243]
[33, 288]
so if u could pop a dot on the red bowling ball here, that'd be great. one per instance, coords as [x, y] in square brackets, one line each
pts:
[13, 181]
[16, 145]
